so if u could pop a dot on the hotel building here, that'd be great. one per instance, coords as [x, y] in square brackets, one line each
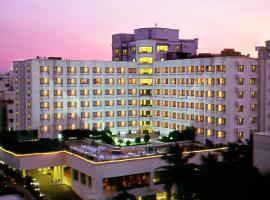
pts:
[143, 91]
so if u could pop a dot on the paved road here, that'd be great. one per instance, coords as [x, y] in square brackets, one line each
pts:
[53, 191]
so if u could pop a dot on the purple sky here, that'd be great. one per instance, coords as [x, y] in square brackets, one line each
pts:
[82, 29]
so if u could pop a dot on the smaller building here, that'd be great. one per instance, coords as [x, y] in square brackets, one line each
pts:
[6, 101]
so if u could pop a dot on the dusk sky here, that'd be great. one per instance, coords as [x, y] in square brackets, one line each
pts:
[82, 29]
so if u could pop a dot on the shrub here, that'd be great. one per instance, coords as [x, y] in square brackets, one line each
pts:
[138, 140]
[127, 142]
[146, 138]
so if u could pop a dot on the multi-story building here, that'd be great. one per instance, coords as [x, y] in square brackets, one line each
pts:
[162, 43]
[264, 86]
[218, 95]
[6, 101]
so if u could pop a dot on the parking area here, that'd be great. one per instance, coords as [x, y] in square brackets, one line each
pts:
[52, 190]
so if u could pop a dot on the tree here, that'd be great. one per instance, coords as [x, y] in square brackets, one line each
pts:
[128, 142]
[120, 142]
[138, 140]
[146, 138]
[178, 173]
[124, 195]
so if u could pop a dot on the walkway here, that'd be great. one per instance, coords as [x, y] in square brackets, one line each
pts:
[51, 190]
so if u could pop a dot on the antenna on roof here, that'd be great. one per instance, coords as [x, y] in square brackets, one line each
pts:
[156, 25]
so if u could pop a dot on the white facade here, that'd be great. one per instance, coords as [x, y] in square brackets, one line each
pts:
[217, 95]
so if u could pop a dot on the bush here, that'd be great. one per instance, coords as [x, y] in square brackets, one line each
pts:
[127, 142]
[146, 138]
[138, 140]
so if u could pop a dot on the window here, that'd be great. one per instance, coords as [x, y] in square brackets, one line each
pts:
[97, 81]
[58, 81]
[58, 116]
[84, 70]
[44, 116]
[221, 108]
[253, 68]
[253, 81]
[85, 115]
[58, 104]
[75, 175]
[109, 91]
[132, 91]
[221, 81]
[109, 81]
[97, 92]
[85, 92]
[200, 69]
[71, 70]
[132, 81]
[72, 115]
[44, 93]
[240, 94]
[97, 103]
[200, 93]
[220, 94]
[146, 60]
[240, 81]
[210, 120]
[210, 93]
[71, 92]
[121, 81]
[221, 121]
[121, 102]
[181, 69]
[97, 70]
[210, 107]
[240, 68]
[57, 70]
[190, 69]
[71, 81]
[72, 104]
[252, 94]
[145, 49]
[109, 113]
[44, 69]
[210, 81]
[148, 71]
[200, 118]
[172, 70]
[210, 68]
[84, 81]
[220, 134]
[109, 103]
[44, 81]
[84, 104]
[44, 128]
[239, 121]
[109, 70]
[162, 48]
[121, 70]
[28, 69]
[83, 178]
[97, 114]
[221, 68]
[146, 81]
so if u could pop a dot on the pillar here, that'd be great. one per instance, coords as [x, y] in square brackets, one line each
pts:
[23, 173]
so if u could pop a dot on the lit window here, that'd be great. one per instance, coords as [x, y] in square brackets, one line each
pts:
[16, 80]
[221, 121]
[210, 68]
[58, 81]
[210, 93]
[210, 107]
[132, 81]
[84, 81]
[84, 104]
[240, 121]
[253, 68]
[200, 118]
[252, 94]
[221, 81]
[109, 103]
[58, 127]
[97, 103]
[44, 93]
[172, 70]
[253, 107]
[44, 128]
[45, 116]
[181, 81]
[210, 120]
[252, 81]
[146, 81]
[85, 115]
[110, 124]
[72, 115]
[121, 124]
[72, 104]
[84, 70]
[190, 81]
[109, 70]
[240, 81]
[97, 114]
[190, 69]
[58, 116]
[133, 49]
[199, 106]
[71, 92]
[109, 91]
[97, 70]
[44, 81]
[72, 126]
[240, 94]
[71, 81]
[58, 70]
[132, 91]
[44, 69]
[200, 81]
[221, 68]
[121, 113]
[200, 93]
[239, 108]
[121, 70]
[44, 105]
[209, 132]
[109, 113]
[200, 69]
[109, 81]
[240, 68]
[58, 104]
[162, 48]
[71, 70]
[210, 81]
[132, 102]
[85, 126]
[121, 81]
[220, 94]
[85, 92]
[148, 71]
[146, 60]
[239, 135]
[220, 134]
[116, 51]
[181, 69]
[121, 102]
[28, 69]
[221, 108]
[145, 49]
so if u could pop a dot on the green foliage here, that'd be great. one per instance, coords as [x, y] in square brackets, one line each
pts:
[128, 142]
[138, 140]
[146, 138]
[187, 134]
[120, 142]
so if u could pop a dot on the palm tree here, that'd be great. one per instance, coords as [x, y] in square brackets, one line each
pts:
[178, 173]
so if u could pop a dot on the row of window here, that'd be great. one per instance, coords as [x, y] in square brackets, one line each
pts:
[144, 60]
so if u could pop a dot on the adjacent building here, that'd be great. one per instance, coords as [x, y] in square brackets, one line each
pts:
[6, 101]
